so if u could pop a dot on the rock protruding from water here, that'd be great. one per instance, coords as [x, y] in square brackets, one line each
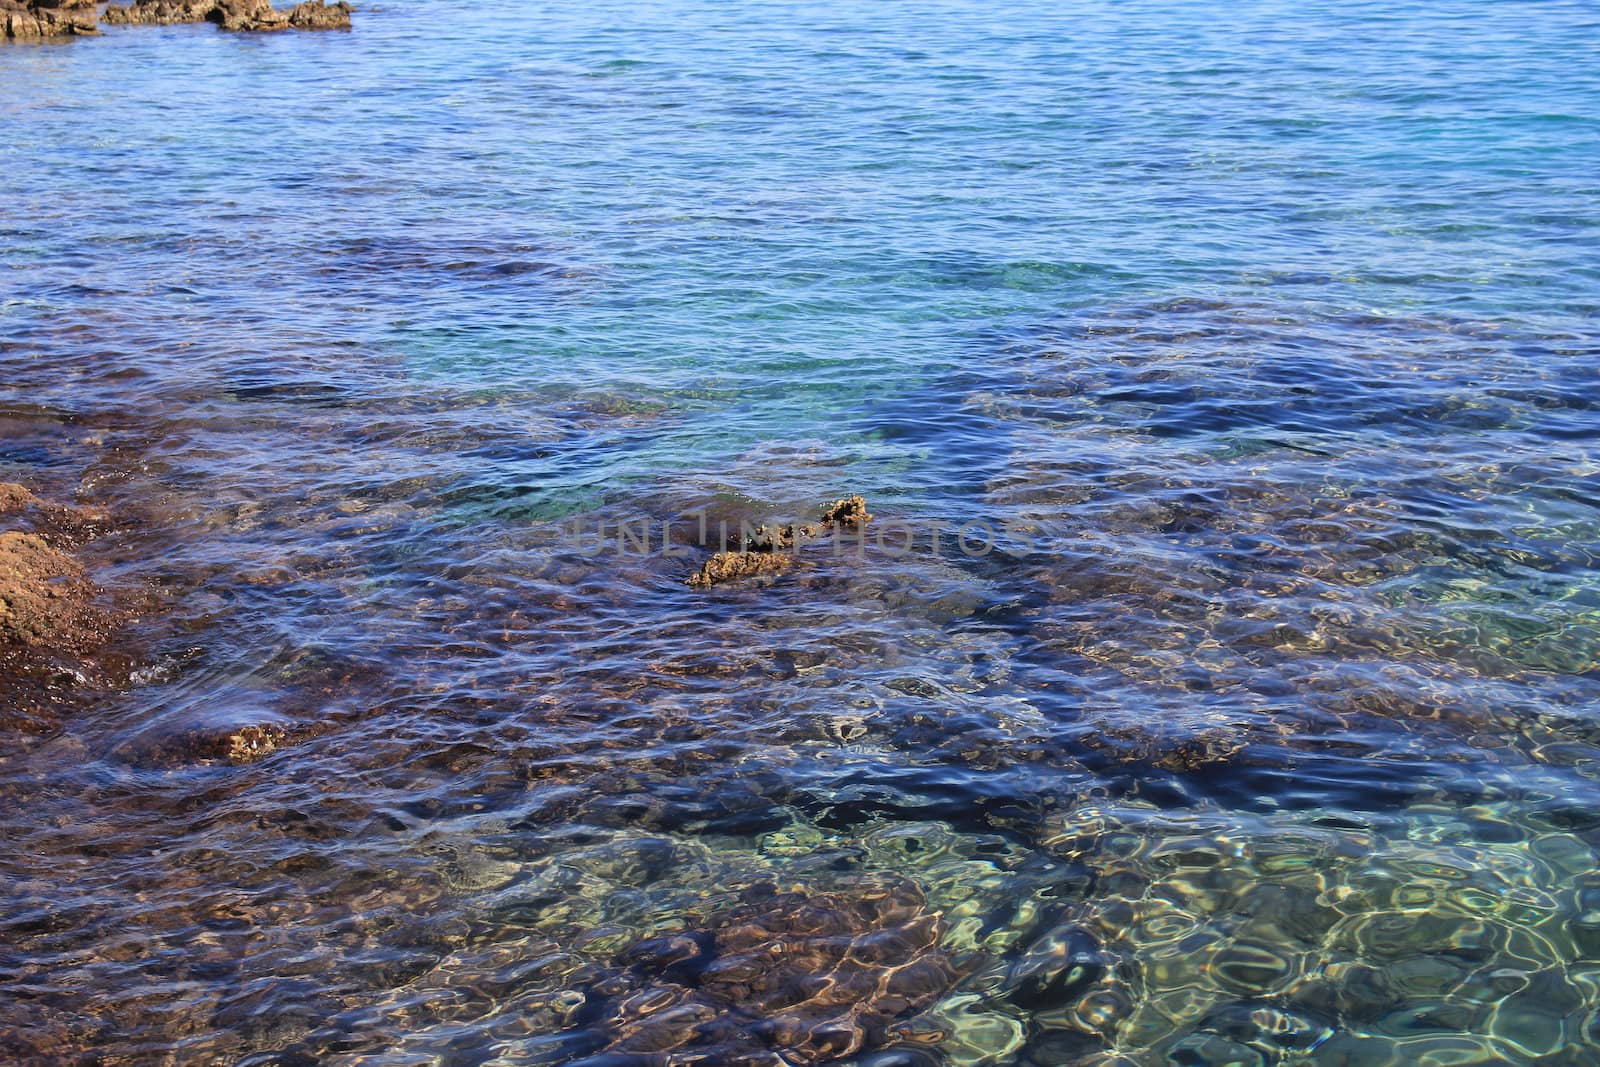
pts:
[46, 599]
[728, 566]
[244, 15]
[770, 549]
[54, 620]
[44, 594]
[14, 498]
[850, 513]
[35, 20]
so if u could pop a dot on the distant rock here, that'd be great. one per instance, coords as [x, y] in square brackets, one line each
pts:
[37, 20]
[34, 20]
[246, 15]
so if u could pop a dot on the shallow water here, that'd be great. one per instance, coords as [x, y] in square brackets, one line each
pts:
[1263, 340]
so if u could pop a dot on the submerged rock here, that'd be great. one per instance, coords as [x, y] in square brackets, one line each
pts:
[206, 745]
[28, 20]
[246, 15]
[783, 977]
[769, 549]
[1156, 745]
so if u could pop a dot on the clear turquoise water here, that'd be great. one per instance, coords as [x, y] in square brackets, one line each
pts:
[1266, 735]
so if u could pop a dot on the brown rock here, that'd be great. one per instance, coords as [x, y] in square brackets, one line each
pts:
[14, 497]
[252, 743]
[768, 549]
[45, 599]
[850, 513]
[246, 15]
[242, 15]
[726, 566]
[32, 20]
[1156, 746]
[54, 624]
[162, 13]
[316, 15]
[206, 744]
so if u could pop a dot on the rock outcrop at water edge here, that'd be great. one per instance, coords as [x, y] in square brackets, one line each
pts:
[33, 20]
[54, 620]
[47, 602]
[245, 15]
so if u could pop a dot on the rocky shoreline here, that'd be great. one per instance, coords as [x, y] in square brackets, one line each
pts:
[33, 20]
[243, 15]
[38, 20]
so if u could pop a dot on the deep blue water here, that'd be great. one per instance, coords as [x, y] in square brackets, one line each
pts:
[1262, 339]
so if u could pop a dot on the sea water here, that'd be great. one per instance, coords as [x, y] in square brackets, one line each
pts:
[1253, 721]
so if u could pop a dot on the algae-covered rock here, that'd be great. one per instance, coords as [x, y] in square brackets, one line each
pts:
[770, 549]
[726, 566]
[53, 618]
[14, 497]
[45, 598]
[237, 744]
[850, 513]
